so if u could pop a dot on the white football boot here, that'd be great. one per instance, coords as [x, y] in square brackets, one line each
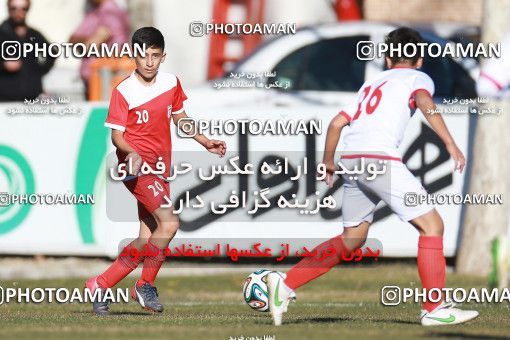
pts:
[446, 314]
[279, 297]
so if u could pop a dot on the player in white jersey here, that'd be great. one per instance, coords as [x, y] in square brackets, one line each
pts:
[377, 120]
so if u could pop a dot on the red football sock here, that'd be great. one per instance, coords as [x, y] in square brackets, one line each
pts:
[151, 264]
[310, 268]
[119, 269]
[431, 266]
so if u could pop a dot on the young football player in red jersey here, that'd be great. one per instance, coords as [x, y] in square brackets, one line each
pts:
[141, 109]
[377, 120]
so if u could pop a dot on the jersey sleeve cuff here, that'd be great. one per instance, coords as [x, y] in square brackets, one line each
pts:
[115, 126]
[344, 114]
[181, 110]
[413, 94]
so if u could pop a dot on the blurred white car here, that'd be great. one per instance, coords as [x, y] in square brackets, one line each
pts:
[320, 67]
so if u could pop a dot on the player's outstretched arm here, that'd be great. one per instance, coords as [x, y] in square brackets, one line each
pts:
[425, 103]
[332, 137]
[122, 145]
[212, 145]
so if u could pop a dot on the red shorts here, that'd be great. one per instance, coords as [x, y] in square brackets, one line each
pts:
[150, 192]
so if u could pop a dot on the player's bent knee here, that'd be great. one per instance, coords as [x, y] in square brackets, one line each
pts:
[353, 241]
[168, 228]
[139, 242]
[429, 224]
[361, 242]
[434, 230]
[436, 225]
[164, 215]
[357, 242]
[355, 237]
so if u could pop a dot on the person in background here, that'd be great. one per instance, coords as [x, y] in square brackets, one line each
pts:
[21, 77]
[377, 121]
[107, 22]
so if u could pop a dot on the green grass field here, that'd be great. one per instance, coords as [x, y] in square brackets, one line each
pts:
[343, 303]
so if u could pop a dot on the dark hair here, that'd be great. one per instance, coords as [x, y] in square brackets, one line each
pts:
[150, 36]
[401, 37]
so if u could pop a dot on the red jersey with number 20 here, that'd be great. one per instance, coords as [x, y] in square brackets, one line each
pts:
[384, 105]
[143, 113]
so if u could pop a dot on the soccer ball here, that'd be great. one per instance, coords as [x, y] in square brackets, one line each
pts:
[255, 290]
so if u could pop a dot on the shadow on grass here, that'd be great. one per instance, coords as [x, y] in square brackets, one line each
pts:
[321, 319]
[118, 313]
[325, 319]
[465, 335]
[335, 319]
